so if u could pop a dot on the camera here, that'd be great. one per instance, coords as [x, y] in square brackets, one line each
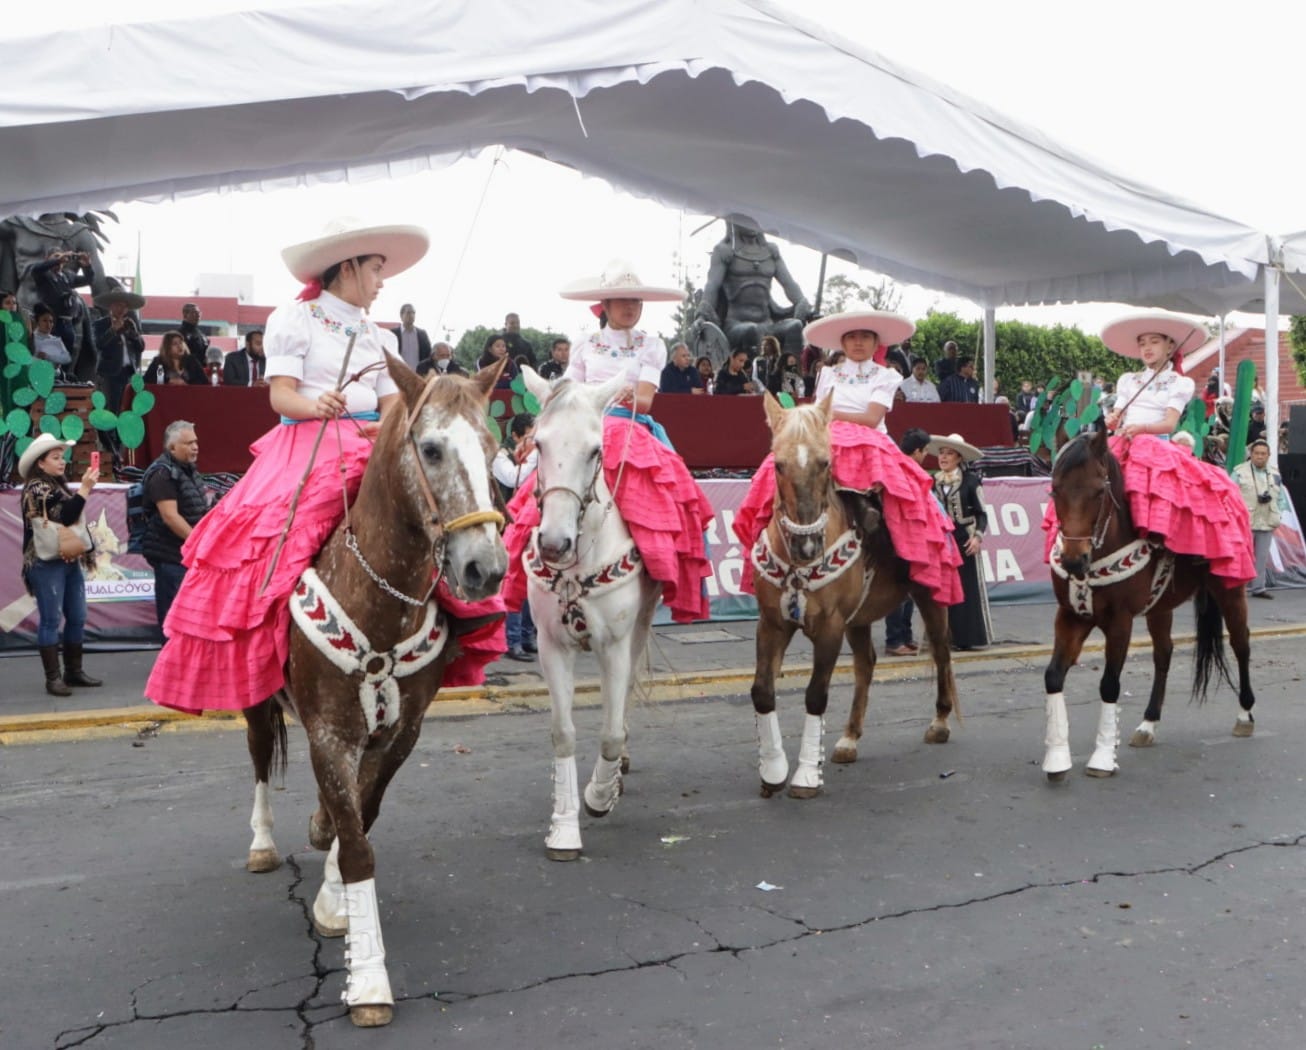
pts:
[1264, 497]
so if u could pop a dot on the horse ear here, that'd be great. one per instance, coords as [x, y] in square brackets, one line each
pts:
[775, 413]
[488, 377]
[535, 383]
[826, 406]
[410, 384]
[608, 391]
[1100, 446]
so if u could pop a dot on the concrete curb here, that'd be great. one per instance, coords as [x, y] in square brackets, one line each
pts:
[142, 720]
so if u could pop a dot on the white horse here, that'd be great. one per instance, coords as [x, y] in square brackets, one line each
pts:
[588, 590]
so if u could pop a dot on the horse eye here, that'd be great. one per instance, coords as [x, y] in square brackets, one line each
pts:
[779, 467]
[822, 464]
[594, 453]
[432, 452]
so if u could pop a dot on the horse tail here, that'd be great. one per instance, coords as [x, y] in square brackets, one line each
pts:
[1209, 655]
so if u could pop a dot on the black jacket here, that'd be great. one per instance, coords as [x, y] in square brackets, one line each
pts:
[163, 479]
[196, 341]
[109, 347]
[423, 345]
[235, 368]
[192, 370]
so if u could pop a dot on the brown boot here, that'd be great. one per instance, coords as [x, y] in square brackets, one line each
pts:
[54, 685]
[72, 666]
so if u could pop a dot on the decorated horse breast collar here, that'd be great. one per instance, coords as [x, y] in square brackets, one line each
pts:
[572, 589]
[796, 582]
[1116, 567]
[327, 625]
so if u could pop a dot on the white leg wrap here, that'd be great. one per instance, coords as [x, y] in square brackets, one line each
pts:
[329, 905]
[604, 788]
[1056, 738]
[564, 828]
[368, 984]
[771, 761]
[1108, 739]
[810, 754]
[260, 820]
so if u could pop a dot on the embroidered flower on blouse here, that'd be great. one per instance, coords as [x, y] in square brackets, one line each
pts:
[604, 348]
[332, 325]
[857, 378]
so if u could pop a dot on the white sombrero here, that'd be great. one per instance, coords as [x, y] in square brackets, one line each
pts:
[619, 281]
[40, 445]
[1121, 335]
[828, 332]
[347, 238]
[955, 442]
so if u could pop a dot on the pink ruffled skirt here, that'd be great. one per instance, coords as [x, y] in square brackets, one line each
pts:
[662, 506]
[921, 533]
[227, 638]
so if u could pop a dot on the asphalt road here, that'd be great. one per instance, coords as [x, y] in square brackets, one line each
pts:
[933, 897]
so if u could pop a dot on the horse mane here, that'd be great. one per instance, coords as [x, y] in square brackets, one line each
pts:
[1078, 452]
[804, 423]
[451, 392]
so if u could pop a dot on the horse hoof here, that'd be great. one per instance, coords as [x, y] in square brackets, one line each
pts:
[798, 791]
[321, 833]
[561, 854]
[937, 735]
[329, 931]
[262, 861]
[1141, 739]
[844, 755]
[625, 763]
[1244, 728]
[1090, 771]
[371, 1016]
[597, 813]
[1058, 776]
[768, 790]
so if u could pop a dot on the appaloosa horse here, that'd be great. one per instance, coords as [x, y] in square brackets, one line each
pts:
[1104, 576]
[369, 646]
[815, 572]
[588, 591]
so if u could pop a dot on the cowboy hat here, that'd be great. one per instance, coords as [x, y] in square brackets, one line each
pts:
[968, 452]
[40, 445]
[347, 238]
[618, 281]
[120, 295]
[828, 332]
[1121, 335]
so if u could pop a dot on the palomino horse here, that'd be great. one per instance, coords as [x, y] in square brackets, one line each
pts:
[588, 590]
[1104, 576]
[814, 571]
[369, 646]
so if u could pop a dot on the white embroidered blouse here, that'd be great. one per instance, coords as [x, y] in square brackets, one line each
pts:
[857, 385]
[607, 353]
[1168, 390]
[307, 342]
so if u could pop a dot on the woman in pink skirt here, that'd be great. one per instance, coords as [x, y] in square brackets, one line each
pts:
[660, 502]
[228, 636]
[1193, 507]
[866, 459]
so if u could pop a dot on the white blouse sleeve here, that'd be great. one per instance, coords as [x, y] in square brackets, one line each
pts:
[576, 362]
[287, 337]
[883, 389]
[652, 360]
[824, 383]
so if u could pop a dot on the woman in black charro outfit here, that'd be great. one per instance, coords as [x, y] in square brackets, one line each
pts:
[958, 489]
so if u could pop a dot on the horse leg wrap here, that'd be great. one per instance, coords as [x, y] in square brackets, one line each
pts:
[604, 788]
[1056, 739]
[329, 905]
[564, 828]
[771, 761]
[1103, 762]
[810, 755]
[368, 984]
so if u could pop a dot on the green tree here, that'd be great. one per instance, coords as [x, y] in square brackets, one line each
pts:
[685, 314]
[843, 293]
[1297, 337]
[471, 344]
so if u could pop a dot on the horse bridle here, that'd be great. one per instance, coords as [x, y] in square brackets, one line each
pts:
[443, 528]
[1105, 511]
[583, 499]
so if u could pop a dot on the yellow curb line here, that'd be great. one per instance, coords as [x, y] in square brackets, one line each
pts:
[464, 701]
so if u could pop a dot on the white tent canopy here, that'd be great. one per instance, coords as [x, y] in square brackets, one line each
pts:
[712, 105]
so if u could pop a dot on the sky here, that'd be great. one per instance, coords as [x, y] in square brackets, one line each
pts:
[1193, 97]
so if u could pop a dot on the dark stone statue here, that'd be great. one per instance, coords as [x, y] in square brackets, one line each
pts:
[737, 310]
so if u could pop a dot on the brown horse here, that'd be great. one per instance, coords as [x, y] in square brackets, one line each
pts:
[1104, 576]
[813, 571]
[369, 646]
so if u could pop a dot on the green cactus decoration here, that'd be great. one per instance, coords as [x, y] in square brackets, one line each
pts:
[1194, 423]
[29, 379]
[786, 399]
[1057, 408]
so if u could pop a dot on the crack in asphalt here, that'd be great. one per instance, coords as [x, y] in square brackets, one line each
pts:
[86, 1034]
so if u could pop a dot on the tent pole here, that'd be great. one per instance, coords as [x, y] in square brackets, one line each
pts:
[1223, 374]
[990, 354]
[1272, 360]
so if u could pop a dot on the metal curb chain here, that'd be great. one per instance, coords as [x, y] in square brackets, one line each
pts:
[352, 543]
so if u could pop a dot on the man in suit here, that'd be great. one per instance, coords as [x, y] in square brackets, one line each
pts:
[442, 361]
[245, 367]
[118, 343]
[518, 345]
[196, 341]
[414, 343]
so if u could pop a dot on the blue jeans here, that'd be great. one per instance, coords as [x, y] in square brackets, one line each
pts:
[520, 628]
[167, 582]
[60, 591]
[897, 625]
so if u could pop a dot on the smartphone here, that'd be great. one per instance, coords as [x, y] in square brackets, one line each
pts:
[95, 463]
